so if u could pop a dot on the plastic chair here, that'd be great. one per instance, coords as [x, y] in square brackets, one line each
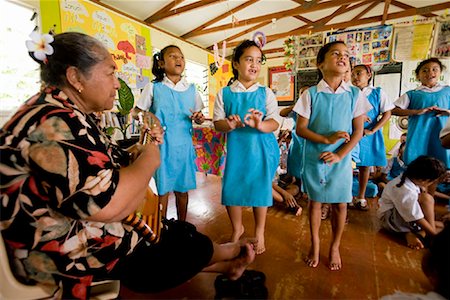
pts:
[11, 288]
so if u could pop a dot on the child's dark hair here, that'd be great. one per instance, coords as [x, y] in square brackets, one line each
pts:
[367, 68]
[429, 60]
[423, 168]
[436, 262]
[323, 51]
[239, 51]
[157, 57]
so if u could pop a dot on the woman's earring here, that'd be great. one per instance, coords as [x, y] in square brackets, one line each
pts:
[80, 90]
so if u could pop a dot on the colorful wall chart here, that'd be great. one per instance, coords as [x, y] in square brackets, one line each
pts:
[218, 78]
[441, 48]
[308, 47]
[127, 41]
[412, 42]
[367, 46]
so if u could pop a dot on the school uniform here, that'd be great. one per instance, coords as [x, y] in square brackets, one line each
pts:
[329, 111]
[423, 130]
[294, 162]
[173, 104]
[395, 167]
[399, 207]
[252, 156]
[371, 147]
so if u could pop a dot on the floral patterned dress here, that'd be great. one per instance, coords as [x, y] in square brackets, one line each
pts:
[56, 169]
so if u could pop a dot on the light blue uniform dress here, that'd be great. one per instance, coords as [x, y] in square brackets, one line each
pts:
[294, 163]
[329, 113]
[252, 155]
[423, 130]
[177, 169]
[371, 147]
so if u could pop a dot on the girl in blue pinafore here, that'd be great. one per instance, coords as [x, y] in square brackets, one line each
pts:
[248, 113]
[175, 103]
[371, 147]
[427, 108]
[330, 119]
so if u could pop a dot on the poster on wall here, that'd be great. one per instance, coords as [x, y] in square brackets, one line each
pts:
[368, 46]
[308, 47]
[281, 81]
[412, 42]
[126, 40]
[441, 47]
[218, 77]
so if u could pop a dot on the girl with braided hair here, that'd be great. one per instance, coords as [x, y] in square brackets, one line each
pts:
[405, 205]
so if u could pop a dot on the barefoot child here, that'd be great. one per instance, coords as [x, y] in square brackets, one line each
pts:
[248, 113]
[176, 103]
[331, 117]
[371, 147]
[406, 206]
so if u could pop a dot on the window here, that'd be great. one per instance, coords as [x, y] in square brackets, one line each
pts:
[19, 74]
[198, 75]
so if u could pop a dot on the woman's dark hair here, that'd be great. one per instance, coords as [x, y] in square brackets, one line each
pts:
[436, 261]
[239, 51]
[71, 49]
[423, 168]
[157, 57]
[429, 60]
[322, 52]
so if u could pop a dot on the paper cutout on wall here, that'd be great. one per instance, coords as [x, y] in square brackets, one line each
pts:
[143, 62]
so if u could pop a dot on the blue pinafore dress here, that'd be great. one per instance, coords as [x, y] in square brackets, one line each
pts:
[423, 130]
[177, 169]
[371, 147]
[329, 113]
[294, 163]
[252, 155]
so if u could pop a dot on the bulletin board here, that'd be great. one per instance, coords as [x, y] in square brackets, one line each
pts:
[308, 46]
[127, 41]
[218, 78]
[282, 82]
[412, 42]
[367, 46]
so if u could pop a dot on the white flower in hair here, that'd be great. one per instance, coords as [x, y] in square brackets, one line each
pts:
[40, 45]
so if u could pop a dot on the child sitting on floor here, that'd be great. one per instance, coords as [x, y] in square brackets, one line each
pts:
[406, 207]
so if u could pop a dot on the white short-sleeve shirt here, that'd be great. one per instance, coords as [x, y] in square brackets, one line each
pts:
[238, 87]
[146, 99]
[403, 101]
[385, 103]
[404, 199]
[303, 105]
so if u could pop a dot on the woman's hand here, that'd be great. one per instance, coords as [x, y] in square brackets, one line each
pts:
[150, 125]
[332, 139]
[197, 117]
[253, 118]
[234, 121]
[135, 150]
[329, 157]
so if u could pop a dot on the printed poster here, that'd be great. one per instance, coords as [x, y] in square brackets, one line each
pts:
[367, 46]
[127, 41]
[308, 46]
[441, 48]
[218, 78]
[412, 42]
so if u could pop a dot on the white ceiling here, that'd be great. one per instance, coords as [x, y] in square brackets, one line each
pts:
[274, 13]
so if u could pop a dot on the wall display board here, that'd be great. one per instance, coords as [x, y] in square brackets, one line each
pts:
[441, 47]
[281, 81]
[306, 78]
[128, 41]
[218, 78]
[367, 46]
[411, 41]
[308, 47]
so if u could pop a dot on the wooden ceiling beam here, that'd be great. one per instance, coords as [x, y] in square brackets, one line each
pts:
[216, 19]
[366, 10]
[385, 11]
[278, 15]
[173, 12]
[303, 19]
[406, 6]
[165, 9]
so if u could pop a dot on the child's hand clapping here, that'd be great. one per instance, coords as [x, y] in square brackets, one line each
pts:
[234, 121]
[332, 139]
[254, 118]
[197, 116]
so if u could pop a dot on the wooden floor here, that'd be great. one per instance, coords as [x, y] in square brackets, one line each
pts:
[374, 264]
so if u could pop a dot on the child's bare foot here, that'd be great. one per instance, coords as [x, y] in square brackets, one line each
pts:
[240, 263]
[237, 234]
[260, 246]
[312, 260]
[413, 241]
[335, 260]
